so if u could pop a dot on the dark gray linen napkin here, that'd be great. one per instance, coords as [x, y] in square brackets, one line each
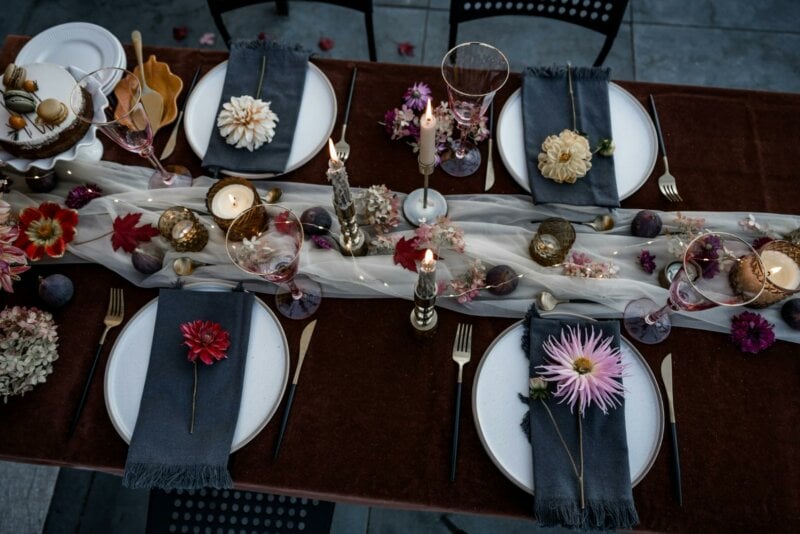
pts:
[607, 481]
[284, 80]
[163, 454]
[546, 110]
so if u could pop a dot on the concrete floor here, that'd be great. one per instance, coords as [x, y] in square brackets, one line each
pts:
[721, 43]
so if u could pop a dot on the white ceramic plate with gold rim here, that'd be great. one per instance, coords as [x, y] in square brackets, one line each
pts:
[265, 379]
[633, 132]
[315, 119]
[503, 373]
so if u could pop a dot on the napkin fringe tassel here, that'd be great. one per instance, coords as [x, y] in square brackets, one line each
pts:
[167, 477]
[578, 73]
[265, 45]
[603, 515]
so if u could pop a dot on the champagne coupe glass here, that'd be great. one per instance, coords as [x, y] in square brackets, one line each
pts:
[473, 72]
[124, 119]
[265, 240]
[704, 281]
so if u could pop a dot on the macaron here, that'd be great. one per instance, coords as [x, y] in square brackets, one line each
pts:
[19, 101]
[14, 77]
[52, 111]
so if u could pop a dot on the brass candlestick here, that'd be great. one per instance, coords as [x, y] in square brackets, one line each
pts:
[424, 318]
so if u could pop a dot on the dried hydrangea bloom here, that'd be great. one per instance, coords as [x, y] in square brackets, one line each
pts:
[565, 157]
[246, 122]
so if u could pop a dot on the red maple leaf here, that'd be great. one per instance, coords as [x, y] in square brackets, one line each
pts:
[405, 49]
[127, 235]
[325, 43]
[406, 253]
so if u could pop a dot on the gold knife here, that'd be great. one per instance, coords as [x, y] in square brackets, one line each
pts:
[170, 146]
[666, 376]
[305, 340]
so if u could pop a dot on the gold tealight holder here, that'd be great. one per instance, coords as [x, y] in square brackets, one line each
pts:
[230, 197]
[182, 229]
[552, 241]
[781, 268]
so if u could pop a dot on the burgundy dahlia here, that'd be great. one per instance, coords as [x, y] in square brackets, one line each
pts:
[751, 332]
[81, 195]
[206, 340]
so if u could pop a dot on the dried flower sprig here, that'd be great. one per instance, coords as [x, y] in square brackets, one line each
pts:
[647, 261]
[687, 228]
[467, 286]
[441, 234]
[581, 265]
[379, 207]
[208, 342]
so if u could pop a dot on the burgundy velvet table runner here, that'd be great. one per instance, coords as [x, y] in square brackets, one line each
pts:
[372, 422]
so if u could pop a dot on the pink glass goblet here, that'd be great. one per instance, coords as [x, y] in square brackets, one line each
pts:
[124, 120]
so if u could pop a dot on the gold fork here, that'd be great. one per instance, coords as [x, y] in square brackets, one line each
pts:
[342, 147]
[462, 351]
[114, 316]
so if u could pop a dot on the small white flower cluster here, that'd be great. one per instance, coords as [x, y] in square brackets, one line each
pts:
[28, 348]
[379, 208]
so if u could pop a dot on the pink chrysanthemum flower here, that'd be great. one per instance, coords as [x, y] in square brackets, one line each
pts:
[416, 97]
[585, 368]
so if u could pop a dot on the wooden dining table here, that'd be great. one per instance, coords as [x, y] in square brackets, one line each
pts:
[372, 420]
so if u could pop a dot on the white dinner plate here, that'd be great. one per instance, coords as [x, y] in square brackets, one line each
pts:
[80, 44]
[265, 379]
[315, 120]
[633, 132]
[503, 373]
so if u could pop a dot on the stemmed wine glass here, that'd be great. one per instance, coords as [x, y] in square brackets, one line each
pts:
[473, 72]
[265, 240]
[124, 119]
[705, 280]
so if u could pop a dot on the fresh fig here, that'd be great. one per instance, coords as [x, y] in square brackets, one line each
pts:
[646, 223]
[316, 221]
[790, 311]
[147, 259]
[502, 280]
[56, 290]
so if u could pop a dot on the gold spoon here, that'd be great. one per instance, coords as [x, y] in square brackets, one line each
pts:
[546, 301]
[184, 266]
[601, 223]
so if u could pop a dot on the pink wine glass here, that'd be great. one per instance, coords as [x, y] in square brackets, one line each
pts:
[124, 120]
[703, 282]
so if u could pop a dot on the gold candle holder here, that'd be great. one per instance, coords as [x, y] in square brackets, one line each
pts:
[182, 229]
[780, 265]
[230, 197]
[552, 241]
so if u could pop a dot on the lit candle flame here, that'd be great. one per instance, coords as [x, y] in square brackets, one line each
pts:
[428, 112]
[428, 263]
[332, 151]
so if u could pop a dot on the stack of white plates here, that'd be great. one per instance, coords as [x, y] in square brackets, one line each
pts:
[80, 44]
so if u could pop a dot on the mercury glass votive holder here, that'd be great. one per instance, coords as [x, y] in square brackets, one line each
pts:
[552, 241]
[182, 229]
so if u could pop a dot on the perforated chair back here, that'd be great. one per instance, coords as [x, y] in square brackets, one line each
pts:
[218, 7]
[602, 16]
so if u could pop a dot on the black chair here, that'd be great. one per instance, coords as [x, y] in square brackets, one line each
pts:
[602, 16]
[218, 7]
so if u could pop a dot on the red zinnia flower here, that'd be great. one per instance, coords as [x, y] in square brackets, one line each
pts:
[46, 230]
[206, 340]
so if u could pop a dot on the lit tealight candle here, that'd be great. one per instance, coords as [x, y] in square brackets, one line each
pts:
[426, 283]
[232, 200]
[181, 229]
[427, 139]
[781, 269]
